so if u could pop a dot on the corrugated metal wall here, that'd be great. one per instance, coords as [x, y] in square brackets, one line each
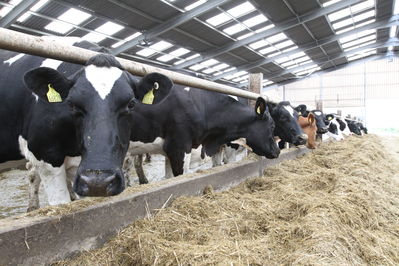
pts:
[347, 87]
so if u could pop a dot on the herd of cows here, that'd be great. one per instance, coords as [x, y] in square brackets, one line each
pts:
[74, 122]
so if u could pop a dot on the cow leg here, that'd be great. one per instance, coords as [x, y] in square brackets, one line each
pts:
[127, 166]
[168, 168]
[34, 184]
[54, 183]
[138, 165]
[147, 158]
[229, 155]
[186, 162]
[217, 158]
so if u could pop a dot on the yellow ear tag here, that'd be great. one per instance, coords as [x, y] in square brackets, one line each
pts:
[258, 110]
[329, 118]
[148, 97]
[299, 113]
[52, 95]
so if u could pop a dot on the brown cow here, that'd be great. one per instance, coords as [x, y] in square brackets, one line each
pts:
[308, 125]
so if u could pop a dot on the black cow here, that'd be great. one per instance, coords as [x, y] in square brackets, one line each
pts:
[354, 127]
[189, 117]
[74, 111]
[320, 118]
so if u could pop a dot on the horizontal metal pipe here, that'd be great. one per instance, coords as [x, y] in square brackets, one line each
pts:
[25, 43]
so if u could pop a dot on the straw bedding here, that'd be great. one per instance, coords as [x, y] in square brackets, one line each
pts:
[337, 205]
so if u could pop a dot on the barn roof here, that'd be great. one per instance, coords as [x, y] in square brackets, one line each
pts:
[221, 40]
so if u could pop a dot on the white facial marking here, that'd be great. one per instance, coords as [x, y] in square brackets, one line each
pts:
[102, 78]
[53, 178]
[13, 59]
[234, 97]
[317, 112]
[36, 97]
[187, 88]
[289, 109]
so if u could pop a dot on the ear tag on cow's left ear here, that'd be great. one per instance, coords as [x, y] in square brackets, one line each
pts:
[258, 110]
[52, 95]
[329, 118]
[148, 97]
[299, 113]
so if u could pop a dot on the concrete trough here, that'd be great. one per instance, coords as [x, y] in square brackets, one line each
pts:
[41, 239]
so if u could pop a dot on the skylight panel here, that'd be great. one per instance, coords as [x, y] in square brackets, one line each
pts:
[194, 5]
[218, 19]
[258, 44]
[209, 70]
[160, 46]
[284, 44]
[357, 35]
[330, 2]
[268, 50]
[131, 37]
[179, 62]
[340, 14]
[345, 30]
[196, 67]
[242, 9]
[276, 38]
[210, 62]
[94, 37]
[255, 20]
[179, 52]
[265, 28]
[245, 35]
[297, 55]
[342, 23]
[229, 69]
[365, 23]
[234, 29]
[282, 60]
[165, 58]
[192, 56]
[362, 6]
[6, 9]
[359, 40]
[364, 16]
[109, 28]
[396, 7]
[71, 16]
[34, 8]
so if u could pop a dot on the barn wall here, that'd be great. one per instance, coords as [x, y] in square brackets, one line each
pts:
[369, 90]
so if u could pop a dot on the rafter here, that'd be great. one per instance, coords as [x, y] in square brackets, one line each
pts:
[275, 30]
[394, 20]
[16, 12]
[169, 24]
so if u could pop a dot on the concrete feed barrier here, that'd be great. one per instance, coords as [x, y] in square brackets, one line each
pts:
[42, 239]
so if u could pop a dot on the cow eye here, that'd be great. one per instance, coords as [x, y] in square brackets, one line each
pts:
[76, 110]
[131, 104]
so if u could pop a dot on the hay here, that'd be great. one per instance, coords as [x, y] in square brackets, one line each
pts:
[337, 205]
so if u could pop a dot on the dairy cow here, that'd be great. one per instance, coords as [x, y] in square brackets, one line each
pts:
[322, 128]
[308, 124]
[189, 117]
[52, 111]
[333, 127]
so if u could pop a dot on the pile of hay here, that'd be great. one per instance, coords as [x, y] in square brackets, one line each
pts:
[338, 205]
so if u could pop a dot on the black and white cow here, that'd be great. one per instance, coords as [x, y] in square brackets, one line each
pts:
[52, 111]
[189, 117]
[334, 130]
[287, 128]
[354, 127]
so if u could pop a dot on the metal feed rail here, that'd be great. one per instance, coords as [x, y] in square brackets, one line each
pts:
[25, 43]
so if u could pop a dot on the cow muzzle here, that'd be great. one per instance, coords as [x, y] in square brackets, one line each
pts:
[322, 130]
[99, 183]
[301, 140]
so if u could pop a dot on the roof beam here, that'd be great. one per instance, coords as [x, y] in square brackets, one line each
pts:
[394, 20]
[168, 25]
[277, 29]
[391, 41]
[16, 12]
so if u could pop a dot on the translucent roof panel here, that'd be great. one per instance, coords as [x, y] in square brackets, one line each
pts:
[194, 5]
[234, 29]
[131, 37]
[396, 7]
[6, 9]
[392, 31]
[277, 37]
[255, 20]
[361, 55]
[107, 29]
[241, 9]
[34, 8]
[71, 16]
[330, 2]
[153, 49]
[218, 19]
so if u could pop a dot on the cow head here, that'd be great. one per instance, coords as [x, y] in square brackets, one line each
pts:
[286, 121]
[302, 110]
[308, 125]
[101, 98]
[354, 127]
[259, 133]
[321, 125]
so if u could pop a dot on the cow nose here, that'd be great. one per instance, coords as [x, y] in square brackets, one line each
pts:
[323, 130]
[301, 139]
[99, 183]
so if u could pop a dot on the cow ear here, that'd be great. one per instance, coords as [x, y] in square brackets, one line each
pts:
[153, 88]
[311, 119]
[48, 84]
[260, 106]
